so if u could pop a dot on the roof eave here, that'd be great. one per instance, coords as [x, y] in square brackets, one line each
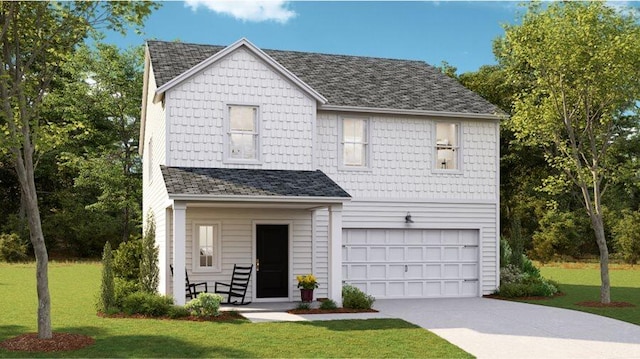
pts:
[396, 111]
[263, 199]
[229, 49]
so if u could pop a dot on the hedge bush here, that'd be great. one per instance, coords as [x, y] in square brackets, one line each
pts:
[328, 304]
[354, 298]
[153, 305]
[126, 260]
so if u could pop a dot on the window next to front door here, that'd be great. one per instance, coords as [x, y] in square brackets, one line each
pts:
[447, 146]
[206, 247]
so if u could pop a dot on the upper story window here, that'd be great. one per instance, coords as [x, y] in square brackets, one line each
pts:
[243, 132]
[355, 142]
[150, 159]
[447, 146]
[207, 247]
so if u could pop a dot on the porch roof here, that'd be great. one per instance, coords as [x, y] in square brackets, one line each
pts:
[226, 183]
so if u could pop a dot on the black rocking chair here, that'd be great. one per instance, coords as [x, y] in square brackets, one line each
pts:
[239, 284]
[191, 289]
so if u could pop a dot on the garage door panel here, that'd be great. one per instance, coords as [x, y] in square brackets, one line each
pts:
[412, 263]
[451, 253]
[413, 237]
[433, 271]
[469, 253]
[433, 254]
[377, 254]
[396, 254]
[415, 254]
[470, 288]
[470, 271]
[377, 271]
[376, 237]
[413, 271]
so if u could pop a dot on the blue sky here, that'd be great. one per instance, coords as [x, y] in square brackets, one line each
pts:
[460, 33]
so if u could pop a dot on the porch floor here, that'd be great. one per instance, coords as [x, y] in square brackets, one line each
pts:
[277, 312]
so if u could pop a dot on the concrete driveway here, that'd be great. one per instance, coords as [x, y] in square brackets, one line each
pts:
[490, 328]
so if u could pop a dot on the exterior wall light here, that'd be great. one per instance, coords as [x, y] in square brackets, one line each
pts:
[407, 218]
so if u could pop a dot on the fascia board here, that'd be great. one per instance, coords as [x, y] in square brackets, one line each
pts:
[391, 111]
[274, 199]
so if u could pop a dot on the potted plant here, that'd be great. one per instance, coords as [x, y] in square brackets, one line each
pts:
[307, 283]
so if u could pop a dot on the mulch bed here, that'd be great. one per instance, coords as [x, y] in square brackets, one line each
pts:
[330, 311]
[601, 305]
[60, 342]
[225, 316]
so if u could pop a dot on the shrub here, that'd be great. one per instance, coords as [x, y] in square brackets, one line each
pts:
[528, 267]
[126, 260]
[12, 248]
[529, 287]
[177, 311]
[511, 274]
[107, 290]
[627, 236]
[147, 304]
[303, 305]
[328, 304]
[149, 272]
[122, 289]
[505, 252]
[354, 298]
[205, 305]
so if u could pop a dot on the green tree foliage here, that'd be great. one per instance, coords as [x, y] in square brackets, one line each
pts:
[627, 236]
[12, 248]
[107, 290]
[37, 39]
[149, 272]
[578, 65]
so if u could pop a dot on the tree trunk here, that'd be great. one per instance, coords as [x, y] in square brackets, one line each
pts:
[605, 287]
[25, 171]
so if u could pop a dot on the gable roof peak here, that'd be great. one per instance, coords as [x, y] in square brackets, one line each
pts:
[229, 49]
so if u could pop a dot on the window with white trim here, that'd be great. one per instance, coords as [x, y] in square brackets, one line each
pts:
[243, 132]
[447, 146]
[207, 254]
[355, 142]
[150, 159]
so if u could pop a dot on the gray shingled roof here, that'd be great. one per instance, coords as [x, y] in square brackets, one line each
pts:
[344, 80]
[249, 182]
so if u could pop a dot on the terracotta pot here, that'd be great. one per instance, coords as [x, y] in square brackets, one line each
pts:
[307, 295]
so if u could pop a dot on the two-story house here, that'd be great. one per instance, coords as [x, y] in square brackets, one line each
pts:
[376, 172]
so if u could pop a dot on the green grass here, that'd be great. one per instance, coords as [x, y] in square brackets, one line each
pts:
[581, 282]
[74, 287]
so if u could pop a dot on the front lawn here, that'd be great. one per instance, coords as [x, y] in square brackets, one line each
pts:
[74, 287]
[580, 282]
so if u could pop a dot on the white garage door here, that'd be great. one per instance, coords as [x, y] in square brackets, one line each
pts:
[406, 263]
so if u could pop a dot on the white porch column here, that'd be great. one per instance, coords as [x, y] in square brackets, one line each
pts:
[335, 253]
[179, 244]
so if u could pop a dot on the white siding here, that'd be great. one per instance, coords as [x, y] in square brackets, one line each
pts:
[154, 193]
[402, 151]
[238, 242]
[198, 115]
[426, 215]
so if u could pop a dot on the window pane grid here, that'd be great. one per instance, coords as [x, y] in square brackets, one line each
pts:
[446, 146]
[354, 142]
[243, 134]
[206, 246]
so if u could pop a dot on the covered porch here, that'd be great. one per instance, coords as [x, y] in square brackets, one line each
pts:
[284, 223]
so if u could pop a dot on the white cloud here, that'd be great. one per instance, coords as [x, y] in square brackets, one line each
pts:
[245, 10]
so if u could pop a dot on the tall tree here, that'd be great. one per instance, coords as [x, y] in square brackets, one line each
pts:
[37, 38]
[579, 66]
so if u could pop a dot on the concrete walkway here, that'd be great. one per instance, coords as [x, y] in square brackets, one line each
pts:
[490, 328]
[277, 312]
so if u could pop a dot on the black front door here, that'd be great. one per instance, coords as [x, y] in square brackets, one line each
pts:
[272, 255]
